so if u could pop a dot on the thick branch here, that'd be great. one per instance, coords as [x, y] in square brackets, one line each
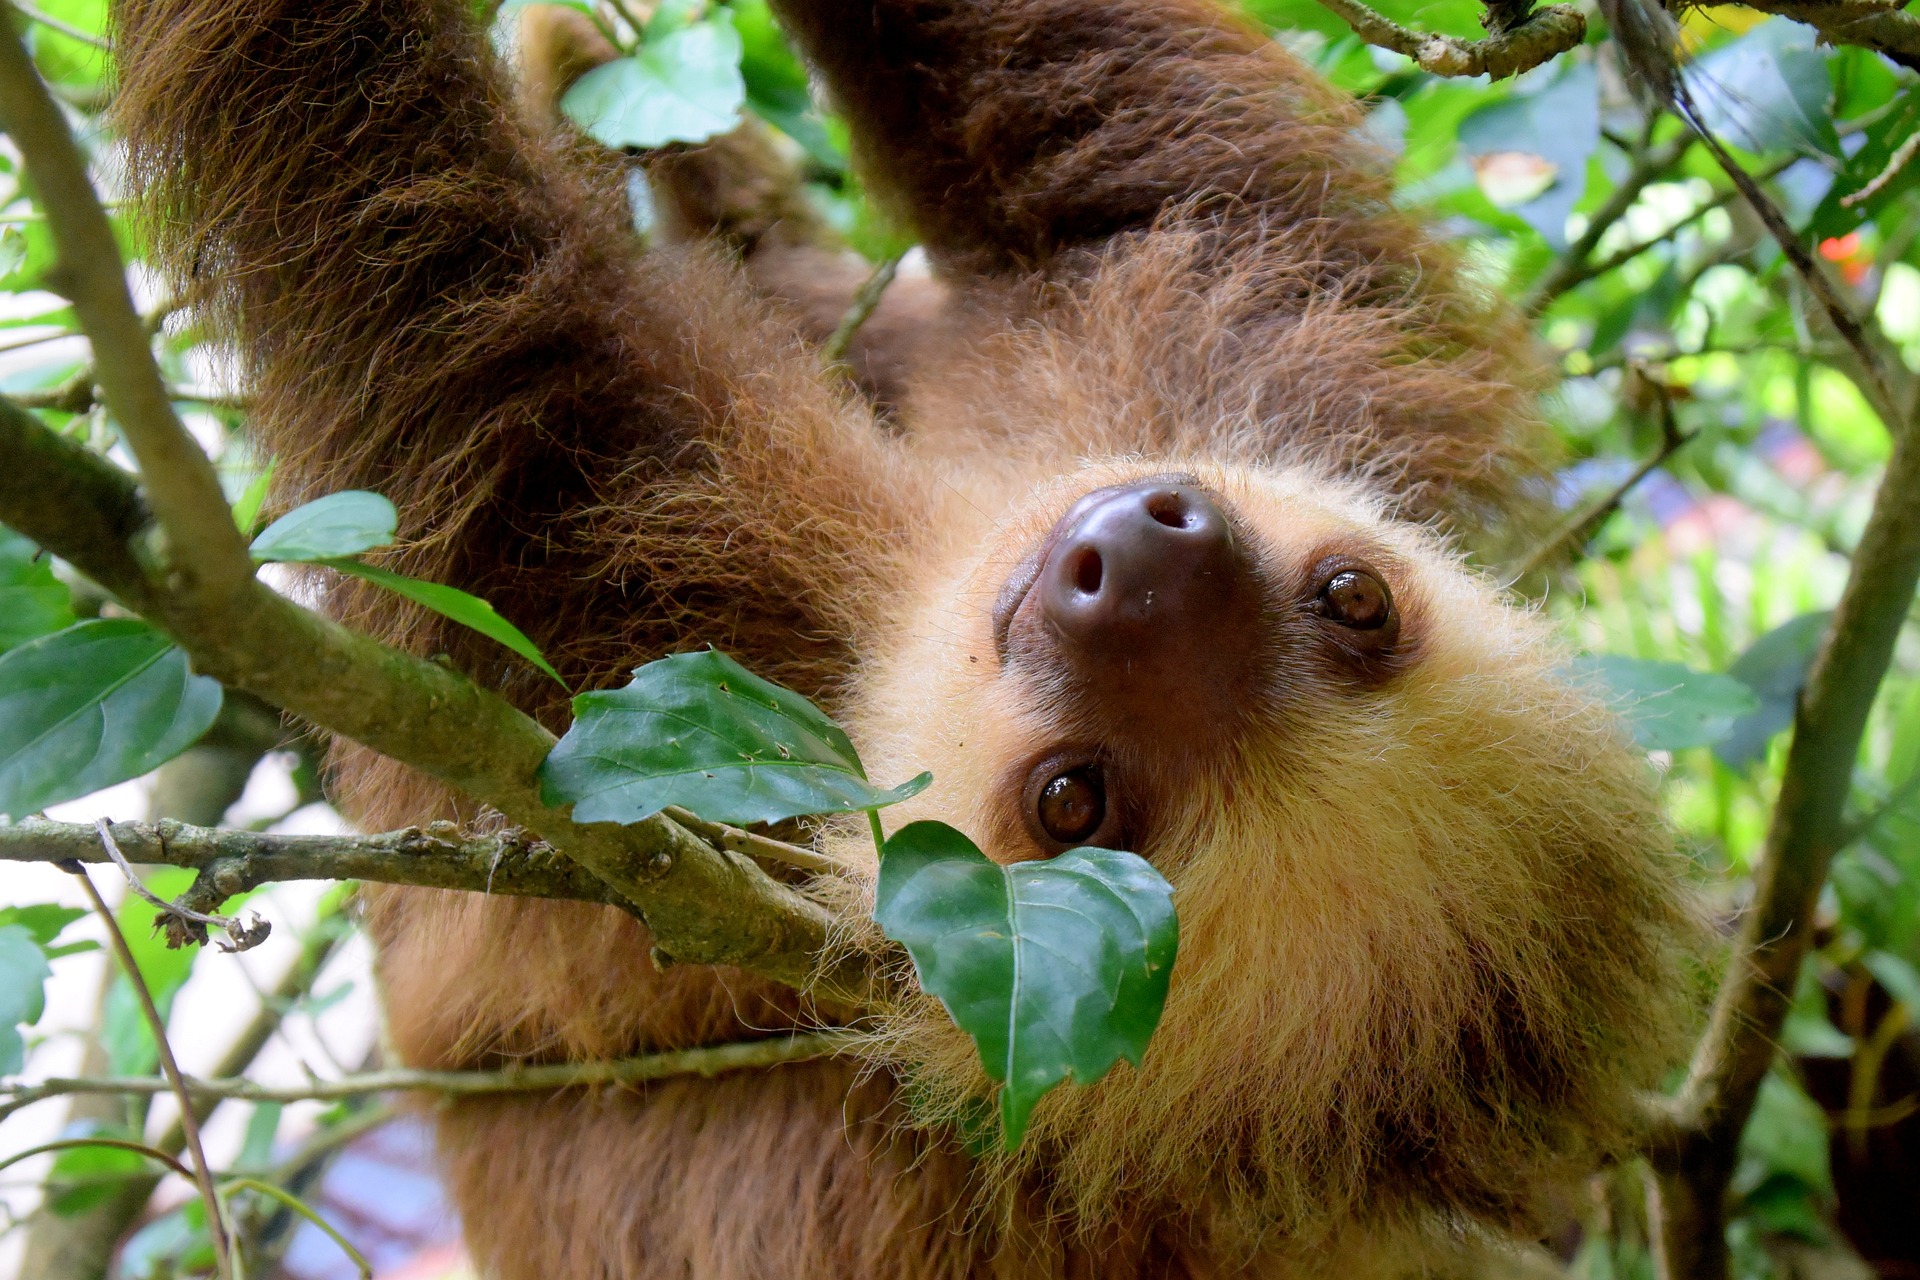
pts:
[205, 551]
[1545, 35]
[704, 906]
[709, 1061]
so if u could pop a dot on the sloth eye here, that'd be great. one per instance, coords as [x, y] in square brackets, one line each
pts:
[1356, 598]
[1071, 806]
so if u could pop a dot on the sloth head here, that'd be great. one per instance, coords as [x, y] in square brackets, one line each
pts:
[1431, 930]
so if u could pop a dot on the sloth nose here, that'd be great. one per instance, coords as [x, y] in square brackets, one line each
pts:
[1152, 602]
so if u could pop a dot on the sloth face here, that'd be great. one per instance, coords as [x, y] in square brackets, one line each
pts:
[1430, 920]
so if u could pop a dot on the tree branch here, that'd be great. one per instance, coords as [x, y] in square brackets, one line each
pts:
[704, 906]
[1578, 528]
[232, 862]
[708, 1061]
[1881, 25]
[204, 550]
[1695, 1153]
[1545, 34]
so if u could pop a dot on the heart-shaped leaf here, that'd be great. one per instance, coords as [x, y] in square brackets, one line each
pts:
[93, 705]
[451, 602]
[33, 602]
[700, 731]
[1057, 968]
[1668, 705]
[683, 86]
[329, 528]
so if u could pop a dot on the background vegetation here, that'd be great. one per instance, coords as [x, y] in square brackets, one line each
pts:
[1694, 362]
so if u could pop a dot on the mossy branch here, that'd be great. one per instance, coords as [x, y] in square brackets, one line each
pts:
[204, 552]
[704, 905]
[1538, 37]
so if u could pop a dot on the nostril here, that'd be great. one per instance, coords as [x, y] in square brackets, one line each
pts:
[1169, 509]
[1088, 571]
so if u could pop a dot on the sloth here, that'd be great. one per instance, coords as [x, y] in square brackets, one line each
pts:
[1162, 543]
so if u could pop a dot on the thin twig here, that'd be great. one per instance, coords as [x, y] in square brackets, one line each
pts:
[170, 1069]
[294, 1204]
[240, 937]
[722, 836]
[66, 29]
[1818, 282]
[1546, 34]
[1577, 529]
[865, 299]
[1572, 267]
[1895, 163]
[708, 1061]
[118, 1144]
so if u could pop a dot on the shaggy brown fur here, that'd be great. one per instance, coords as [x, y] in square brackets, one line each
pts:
[1429, 927]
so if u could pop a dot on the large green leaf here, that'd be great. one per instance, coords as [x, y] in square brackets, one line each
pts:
[33, 602]
[91, 706]
[684, 86]
[1668, 705]
[1774, 667]
[700, 731]
[23, 979]
[1056, 969]
[330, 528]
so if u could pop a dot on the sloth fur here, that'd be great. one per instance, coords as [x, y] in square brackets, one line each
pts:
[1432, 933]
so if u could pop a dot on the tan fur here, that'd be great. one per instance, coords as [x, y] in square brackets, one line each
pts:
[1431, 927]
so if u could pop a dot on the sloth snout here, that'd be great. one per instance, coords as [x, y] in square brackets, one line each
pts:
[1151, 604]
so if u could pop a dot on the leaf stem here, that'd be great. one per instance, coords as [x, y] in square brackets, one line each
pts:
[879, 833]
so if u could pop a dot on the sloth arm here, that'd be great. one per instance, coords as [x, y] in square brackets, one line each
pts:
[1279, 309]
[1010, 132]
[437, 301]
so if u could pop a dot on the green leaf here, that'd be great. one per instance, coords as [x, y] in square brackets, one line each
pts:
[1768, 91]
[256, 1149]
[1774, 667]
[329, 528]
[94, 705]
[1668, 706]
[23, 994]
[44, 920]
[701, 731]
[451, 602]
[683, 87]
[83, 1177]
[1056, 969]
[33, 602]
[1558, 125]
[246, 506]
